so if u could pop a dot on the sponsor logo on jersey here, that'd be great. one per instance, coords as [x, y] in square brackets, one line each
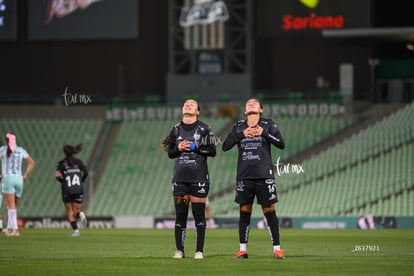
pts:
[250, 156]
[187, 161]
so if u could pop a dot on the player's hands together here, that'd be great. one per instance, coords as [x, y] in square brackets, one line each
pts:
[186, 146]
[251, 132]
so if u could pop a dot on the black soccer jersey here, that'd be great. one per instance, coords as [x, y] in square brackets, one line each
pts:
[71, 178]
[191, 166]
[254, 160]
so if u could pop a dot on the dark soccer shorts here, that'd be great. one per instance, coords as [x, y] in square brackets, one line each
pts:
[78, 198]
[197, 189]
[263, 189]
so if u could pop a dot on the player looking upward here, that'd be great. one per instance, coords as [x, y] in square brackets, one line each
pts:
[255, 177]
[190, 142]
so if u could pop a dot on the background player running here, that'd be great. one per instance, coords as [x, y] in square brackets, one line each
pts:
[190, 143]
[255, 176]
[12, 179]
[71, 173]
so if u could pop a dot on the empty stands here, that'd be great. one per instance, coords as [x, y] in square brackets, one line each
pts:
[44, 140]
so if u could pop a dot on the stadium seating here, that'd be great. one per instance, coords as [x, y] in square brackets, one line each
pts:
[44, 140]
[360, 171]
[301, 133]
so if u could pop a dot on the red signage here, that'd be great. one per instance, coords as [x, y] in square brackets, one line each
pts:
[312, 22]
[283, 18]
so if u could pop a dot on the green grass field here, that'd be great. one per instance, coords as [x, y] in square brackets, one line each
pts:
[149, 252]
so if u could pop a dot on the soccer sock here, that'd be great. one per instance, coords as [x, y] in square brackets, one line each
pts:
[244, 229]
[74, 225]
[8, 223]
[273, 227]
[199, 215]
[12, 219]
[181, 214]
[1, 224]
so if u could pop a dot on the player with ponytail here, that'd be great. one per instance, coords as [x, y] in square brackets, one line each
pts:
[12, 179]
[71, 173]
[190, 142]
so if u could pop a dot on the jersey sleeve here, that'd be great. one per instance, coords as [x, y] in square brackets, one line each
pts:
[59, 174]
[24, 153]
[208, 146]
[173, 151]
[83, 169]
[273, 135]
[233, 138]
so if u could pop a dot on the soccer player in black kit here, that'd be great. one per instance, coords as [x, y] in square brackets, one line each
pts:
[190, 142]
[255, 176]
[71, 173]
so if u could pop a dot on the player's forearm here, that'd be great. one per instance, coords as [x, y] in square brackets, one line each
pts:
[206, 151]
[231, 140]
[173, 152]
[275, 138]
[29, 169]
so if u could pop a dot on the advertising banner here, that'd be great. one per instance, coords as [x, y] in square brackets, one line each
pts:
[89, 19]
[334, 222]
[327, 222]
[62, 222]
[135, 113]
[309, 17]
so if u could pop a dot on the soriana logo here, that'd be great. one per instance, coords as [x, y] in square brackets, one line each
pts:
[313, 21]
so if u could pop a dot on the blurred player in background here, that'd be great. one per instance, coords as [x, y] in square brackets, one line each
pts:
[255, 176]
[190, 142]
[210, 220]
[1, 212]
[1, 201]
[71, 173]
[12, 179]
